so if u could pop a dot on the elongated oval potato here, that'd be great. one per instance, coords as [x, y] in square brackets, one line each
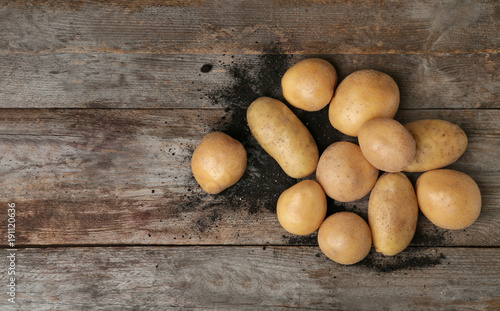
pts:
[309, 84]
[439, 143]
[392, 213]
[283, 136]
[302, 208]
[344, 173]
[362, 96]
[449, 199]
[218, 162]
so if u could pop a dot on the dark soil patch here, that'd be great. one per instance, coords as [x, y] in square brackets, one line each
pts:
[264, 180]
[411, 258]
[311, 239]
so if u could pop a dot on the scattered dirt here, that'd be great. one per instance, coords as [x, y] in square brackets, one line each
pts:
[432, 235]
[311, 239]
[259, 188]
[409, 259]
[203, 224]
[264, 180]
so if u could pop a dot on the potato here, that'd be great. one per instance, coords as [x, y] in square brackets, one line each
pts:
[439, 143]
[218, 162]
[392, 213]
[387, 144]
[302, 208]
[345, 238]
[309, 84]
[344, 173]
[448, 198]
[283, 136]
[360, 97]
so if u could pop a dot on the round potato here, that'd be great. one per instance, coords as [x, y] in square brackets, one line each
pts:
[218, 162]
[449, 199]
[439, 143]
[302, 208]
[392, 213]
[344, 173]
[360, 97]
[345, 238]
[387, 144]
[309, 84]
[283, 136]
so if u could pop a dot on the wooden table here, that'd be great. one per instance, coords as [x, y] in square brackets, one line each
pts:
[104, 102]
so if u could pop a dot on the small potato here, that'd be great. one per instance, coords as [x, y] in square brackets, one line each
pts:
[439, 143]
[302, 208]
[392, 213]
[362, 96]
[283, 136]
[218, 162]
[387, 144]
[309, 84]
[345, 238]
[344, 173]
[448, 198]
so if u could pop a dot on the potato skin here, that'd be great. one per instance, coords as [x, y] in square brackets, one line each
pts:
[344, 173]
[283, 136]
[309, 84]
[345, 238]
[392, 213]
[387, 144]
[302, 208]
[449, 199]
[439, 143]
[360, 97]
[218, 162]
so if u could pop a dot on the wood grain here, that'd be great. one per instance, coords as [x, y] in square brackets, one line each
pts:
[205, 27]
[117, 80]
[98, 176]
[102, 104]
[253, 278]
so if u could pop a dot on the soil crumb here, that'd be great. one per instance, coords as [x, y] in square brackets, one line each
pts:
[206, 68]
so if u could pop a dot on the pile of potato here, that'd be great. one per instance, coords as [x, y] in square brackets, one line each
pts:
[363, 106]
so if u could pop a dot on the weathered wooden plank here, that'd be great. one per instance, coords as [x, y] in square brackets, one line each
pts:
[195, 26]
[253, 278]
[118, 80]
[98, 176]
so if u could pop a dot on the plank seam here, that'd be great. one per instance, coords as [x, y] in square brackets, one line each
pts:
[34, 246]
[221, 108]
[109, 51]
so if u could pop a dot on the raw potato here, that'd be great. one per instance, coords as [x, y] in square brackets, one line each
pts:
[344, 173]
[448, 198]
[387, 144]
[302, 208]
[283, 136]
[392, 213]
[309, 84]
[345, 238]
[362, 96]
[218, 162]
[439, 143]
